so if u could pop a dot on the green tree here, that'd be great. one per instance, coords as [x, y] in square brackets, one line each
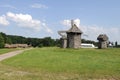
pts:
[2, 43]
[4, 36]
[57, 42]
[8, 40]
[47, 41]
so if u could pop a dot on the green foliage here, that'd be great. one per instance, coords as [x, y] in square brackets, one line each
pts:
[4, 36]
[40, 45]
[65, 64]
[8, 40]
[57, 42]
[47, 41]
[35, 42]
[17, 39]
[1, 41]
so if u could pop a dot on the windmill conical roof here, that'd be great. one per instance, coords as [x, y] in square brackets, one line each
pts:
[74, 29]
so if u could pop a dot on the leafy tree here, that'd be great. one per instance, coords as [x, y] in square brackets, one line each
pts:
[1, 41]
[4, 36]
[8, 40]
[57, 42]
[47, 41]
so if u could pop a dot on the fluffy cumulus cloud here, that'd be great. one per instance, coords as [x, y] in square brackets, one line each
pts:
[24, 20]
[92, 31]
[3, 20]
[36, 5]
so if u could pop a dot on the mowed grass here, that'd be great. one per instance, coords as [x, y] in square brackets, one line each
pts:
[6, 50]
[63, 64]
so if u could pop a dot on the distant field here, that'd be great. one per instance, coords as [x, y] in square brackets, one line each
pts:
[2, 51]
[62, 64]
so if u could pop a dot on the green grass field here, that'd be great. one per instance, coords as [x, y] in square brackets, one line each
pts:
[62, 64]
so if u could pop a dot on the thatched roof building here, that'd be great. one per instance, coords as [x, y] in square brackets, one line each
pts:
[102, 37]
[74, 36]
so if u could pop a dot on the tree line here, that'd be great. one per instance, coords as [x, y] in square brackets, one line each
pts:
[35, 42]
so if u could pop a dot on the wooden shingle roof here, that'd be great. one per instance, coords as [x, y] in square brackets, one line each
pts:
[102, 37]
[74, 29]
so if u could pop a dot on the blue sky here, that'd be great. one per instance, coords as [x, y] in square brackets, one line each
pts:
[42, 18]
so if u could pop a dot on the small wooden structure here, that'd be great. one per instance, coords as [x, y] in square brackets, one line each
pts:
[103, 41]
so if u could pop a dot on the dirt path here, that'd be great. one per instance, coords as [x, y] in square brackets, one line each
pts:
[10, 54]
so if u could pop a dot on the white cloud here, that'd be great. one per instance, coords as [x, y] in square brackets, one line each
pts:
[3, 20]
[36, 5]
[24, 20]
[8, 6]
[68, 22]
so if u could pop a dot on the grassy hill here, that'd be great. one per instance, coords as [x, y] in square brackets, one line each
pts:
[53, 63]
